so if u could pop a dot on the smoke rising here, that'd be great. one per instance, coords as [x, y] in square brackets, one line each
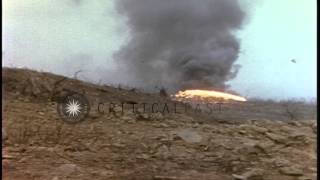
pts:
[181, 43]
[171, 43]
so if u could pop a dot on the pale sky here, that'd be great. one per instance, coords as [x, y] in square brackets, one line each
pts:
[51, 35]
[279, 31]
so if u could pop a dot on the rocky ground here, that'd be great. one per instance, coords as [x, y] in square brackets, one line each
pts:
[37, 144]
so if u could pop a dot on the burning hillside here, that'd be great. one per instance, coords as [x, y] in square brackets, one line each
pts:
[207, 95]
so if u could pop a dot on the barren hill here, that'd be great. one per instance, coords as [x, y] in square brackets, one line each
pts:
[252, 140]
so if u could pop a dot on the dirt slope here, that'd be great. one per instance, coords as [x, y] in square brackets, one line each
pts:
[37, 144]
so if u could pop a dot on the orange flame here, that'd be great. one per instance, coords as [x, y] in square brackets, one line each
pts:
[208, 94]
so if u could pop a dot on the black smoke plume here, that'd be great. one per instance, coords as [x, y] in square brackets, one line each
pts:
[181, 44]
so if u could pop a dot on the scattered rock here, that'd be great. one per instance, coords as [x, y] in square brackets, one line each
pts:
[295, 123]
[143, 116]
[265, 146]
[247, 127]
[163, 152]
[248, 149]
[306, 178]
[55, 178]
[195, 125]
[164, 125]
[260, 129]
[179, 151]
[118, 145]
[106, 173]
[189, 136]
[24, 159]
[67, 169]
[157, 116]
[299, 137]
[277, 138]
[143, 156]
[41, 113]
[126, 118]
[251, 174]
[281, 162]
[287, 129]
[291, 171]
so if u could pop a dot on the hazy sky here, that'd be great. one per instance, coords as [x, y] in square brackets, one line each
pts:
[65, 36]
[279, 31]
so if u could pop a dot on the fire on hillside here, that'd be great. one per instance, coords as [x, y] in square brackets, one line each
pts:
[206, 95]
